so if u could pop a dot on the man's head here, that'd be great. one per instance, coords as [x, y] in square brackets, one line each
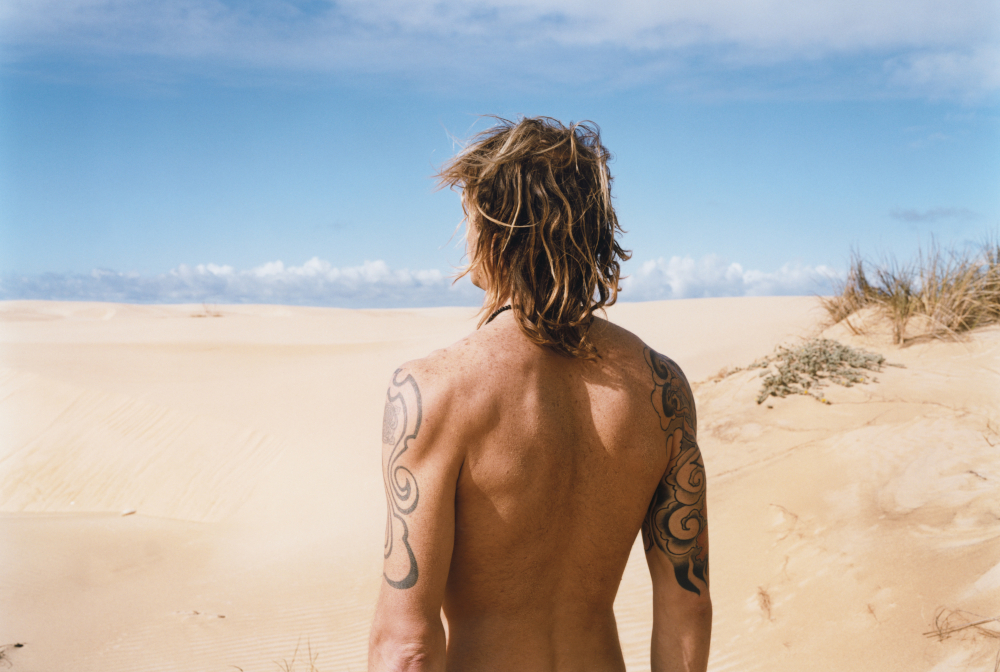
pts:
[541, 227]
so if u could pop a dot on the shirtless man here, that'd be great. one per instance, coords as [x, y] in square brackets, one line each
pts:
[521, 462]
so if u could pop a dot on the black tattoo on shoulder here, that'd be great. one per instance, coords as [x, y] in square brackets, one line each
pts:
[400, 425]
[676, 521]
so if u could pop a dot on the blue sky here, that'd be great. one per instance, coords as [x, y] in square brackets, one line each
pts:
[278, 151]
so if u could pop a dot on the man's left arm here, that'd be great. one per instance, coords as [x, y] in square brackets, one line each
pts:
[420, 471]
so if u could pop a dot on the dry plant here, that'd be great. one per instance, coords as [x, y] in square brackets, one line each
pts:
[960, 293]
[947, 622]
[289, 665]
[956, 291]
[764, 601]
[208, 311]
[855, 294]
[807, 368]
[896, 291]
[4, 648]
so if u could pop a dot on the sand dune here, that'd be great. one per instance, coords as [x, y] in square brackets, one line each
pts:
[246, 444]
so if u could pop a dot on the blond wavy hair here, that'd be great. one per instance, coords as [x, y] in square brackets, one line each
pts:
[541, 226]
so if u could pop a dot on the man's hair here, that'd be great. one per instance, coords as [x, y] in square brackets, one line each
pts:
[542, 230]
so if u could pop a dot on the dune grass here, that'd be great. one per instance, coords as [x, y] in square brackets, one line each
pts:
[289, 666]
[956, 291]
[286, 665]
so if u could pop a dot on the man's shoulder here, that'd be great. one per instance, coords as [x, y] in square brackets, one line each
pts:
[640, 365]
[474, 371]
[442, 368]
[626, 349]
[452, 399]
[610, 337]
[446, 377]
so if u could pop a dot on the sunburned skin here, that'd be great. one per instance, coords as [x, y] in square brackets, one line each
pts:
[517, 481]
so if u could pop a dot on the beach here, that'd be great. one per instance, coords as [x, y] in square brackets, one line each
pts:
[191, 487]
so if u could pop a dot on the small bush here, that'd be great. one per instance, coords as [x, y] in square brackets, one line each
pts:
[805, 369]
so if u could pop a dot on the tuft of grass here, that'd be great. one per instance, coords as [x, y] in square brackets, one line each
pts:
[896, 289]
[289, 666]
[286, 665]
[208, 311]
[855, 292]
[956, 291]
[807, 368]
[961, 292]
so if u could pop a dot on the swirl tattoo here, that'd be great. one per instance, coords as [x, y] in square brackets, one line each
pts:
[676, 521]
[400, 424]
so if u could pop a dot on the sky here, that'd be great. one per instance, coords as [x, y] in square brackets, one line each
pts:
[281, 151]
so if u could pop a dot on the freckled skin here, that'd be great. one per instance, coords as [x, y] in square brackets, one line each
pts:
[517, 481]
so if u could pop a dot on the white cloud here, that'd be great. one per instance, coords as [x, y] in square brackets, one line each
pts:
[685, 278]
[931, 215]
[314, 283]
[375, 285]
[963, 72]
[922, 44]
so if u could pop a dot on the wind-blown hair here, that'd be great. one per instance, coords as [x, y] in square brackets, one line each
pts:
[541, 226]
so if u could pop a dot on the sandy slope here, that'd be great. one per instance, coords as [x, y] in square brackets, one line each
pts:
[247, 445]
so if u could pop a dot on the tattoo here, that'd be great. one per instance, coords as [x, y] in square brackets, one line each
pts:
[400, 425]
[676, 521]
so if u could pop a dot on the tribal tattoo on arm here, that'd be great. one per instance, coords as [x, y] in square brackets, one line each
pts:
[400, 424]
[676, 522]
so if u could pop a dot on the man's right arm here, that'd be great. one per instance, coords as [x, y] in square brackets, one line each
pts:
[420, 465]
[675, 531]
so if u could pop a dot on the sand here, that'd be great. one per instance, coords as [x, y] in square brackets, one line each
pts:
[192, 489]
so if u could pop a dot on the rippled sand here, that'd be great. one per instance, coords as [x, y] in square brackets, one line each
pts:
[244, 449]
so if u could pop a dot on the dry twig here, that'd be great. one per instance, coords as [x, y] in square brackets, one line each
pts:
[943, 627]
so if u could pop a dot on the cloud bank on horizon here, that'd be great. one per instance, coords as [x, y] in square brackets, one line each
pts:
[914, 47]
[375, 285]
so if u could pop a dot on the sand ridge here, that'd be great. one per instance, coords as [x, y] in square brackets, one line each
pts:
[246, 444]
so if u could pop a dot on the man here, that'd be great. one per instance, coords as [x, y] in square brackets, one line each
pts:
[521, 462]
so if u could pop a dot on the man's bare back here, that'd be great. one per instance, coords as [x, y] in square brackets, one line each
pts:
[521, 463]
[548, 466]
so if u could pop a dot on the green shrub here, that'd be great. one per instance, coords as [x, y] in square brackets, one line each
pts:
[807, 368]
